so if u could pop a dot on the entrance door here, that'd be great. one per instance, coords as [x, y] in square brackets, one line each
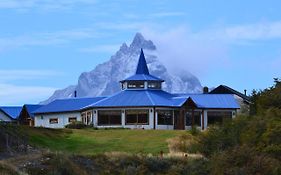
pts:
[179, 119]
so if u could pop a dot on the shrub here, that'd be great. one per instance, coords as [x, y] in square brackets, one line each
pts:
[76, 125]
[244, 160]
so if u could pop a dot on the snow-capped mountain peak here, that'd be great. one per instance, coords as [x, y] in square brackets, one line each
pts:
[104, 79]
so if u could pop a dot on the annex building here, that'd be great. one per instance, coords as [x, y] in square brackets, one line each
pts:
[141, 103]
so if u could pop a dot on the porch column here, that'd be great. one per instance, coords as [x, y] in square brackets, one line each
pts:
[123, 118]
[234, 113]
[192, 116]
[95, 117]
[202, 120]
[205, 119]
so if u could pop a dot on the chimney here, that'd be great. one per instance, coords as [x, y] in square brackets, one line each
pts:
[205, 90]
[75, 93]
[245, 92]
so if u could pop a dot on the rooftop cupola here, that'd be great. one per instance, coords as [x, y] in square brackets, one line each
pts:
[142, 79]
[142, 65]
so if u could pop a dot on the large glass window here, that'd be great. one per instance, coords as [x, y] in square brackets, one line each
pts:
[197, 118]
[154, 85]
[218, 116]
[165, 117]
[109, 117]
[135, 85]
[137, 117]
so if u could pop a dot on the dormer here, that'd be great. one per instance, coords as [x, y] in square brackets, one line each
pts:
[142, 79]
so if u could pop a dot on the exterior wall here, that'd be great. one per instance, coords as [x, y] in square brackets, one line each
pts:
[43, 120]
[244, 107]
[4, 117]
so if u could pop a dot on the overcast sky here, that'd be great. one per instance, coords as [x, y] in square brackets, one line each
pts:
[46, 44]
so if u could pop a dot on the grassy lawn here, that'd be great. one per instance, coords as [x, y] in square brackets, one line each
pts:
[90, 141]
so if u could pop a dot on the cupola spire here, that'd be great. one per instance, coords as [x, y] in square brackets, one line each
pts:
[142, 65]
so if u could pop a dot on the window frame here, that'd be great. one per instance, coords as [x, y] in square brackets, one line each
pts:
[135, 85]
[137, 114]
[109, 117]
[156, 83]
[53, 119]
[72, 118]
[165, 117]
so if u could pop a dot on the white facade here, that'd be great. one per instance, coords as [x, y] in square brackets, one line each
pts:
[45, 120]
[4, 117]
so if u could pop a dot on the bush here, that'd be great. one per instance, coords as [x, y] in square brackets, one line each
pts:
[76, 125]
[244, 160]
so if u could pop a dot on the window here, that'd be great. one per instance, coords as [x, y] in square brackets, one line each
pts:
[137, 117]
[154, 85]
[135, 85]
[197, 118]
[188, 119]
[165, 117]
[72, 119]
[218, 116]
[54, 120]
[109, 117]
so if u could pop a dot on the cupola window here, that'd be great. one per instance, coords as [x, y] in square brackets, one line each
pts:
[154, 85]
[135, 85]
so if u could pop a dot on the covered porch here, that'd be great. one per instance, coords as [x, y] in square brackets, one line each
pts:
[192, 115]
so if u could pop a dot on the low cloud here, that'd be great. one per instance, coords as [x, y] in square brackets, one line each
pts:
[203, 51]
[12, 75]
[12, 93]
[258, 31]
[18, 95]
[181, 49]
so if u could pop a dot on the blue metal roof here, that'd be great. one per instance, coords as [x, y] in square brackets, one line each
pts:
[67, 105]
[12, 111]
[144, 98]
[142, 73]
[213, 101]
[142, 77]
[142, 66]
[30, 108]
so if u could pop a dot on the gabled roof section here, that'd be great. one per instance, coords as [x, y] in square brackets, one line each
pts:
[223, 89]
[142, 65]
[30, 108]
[67, 105]
[215, 101]
[142, 72]
[11, 111]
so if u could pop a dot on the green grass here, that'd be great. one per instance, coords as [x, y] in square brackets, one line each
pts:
[90, 141]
